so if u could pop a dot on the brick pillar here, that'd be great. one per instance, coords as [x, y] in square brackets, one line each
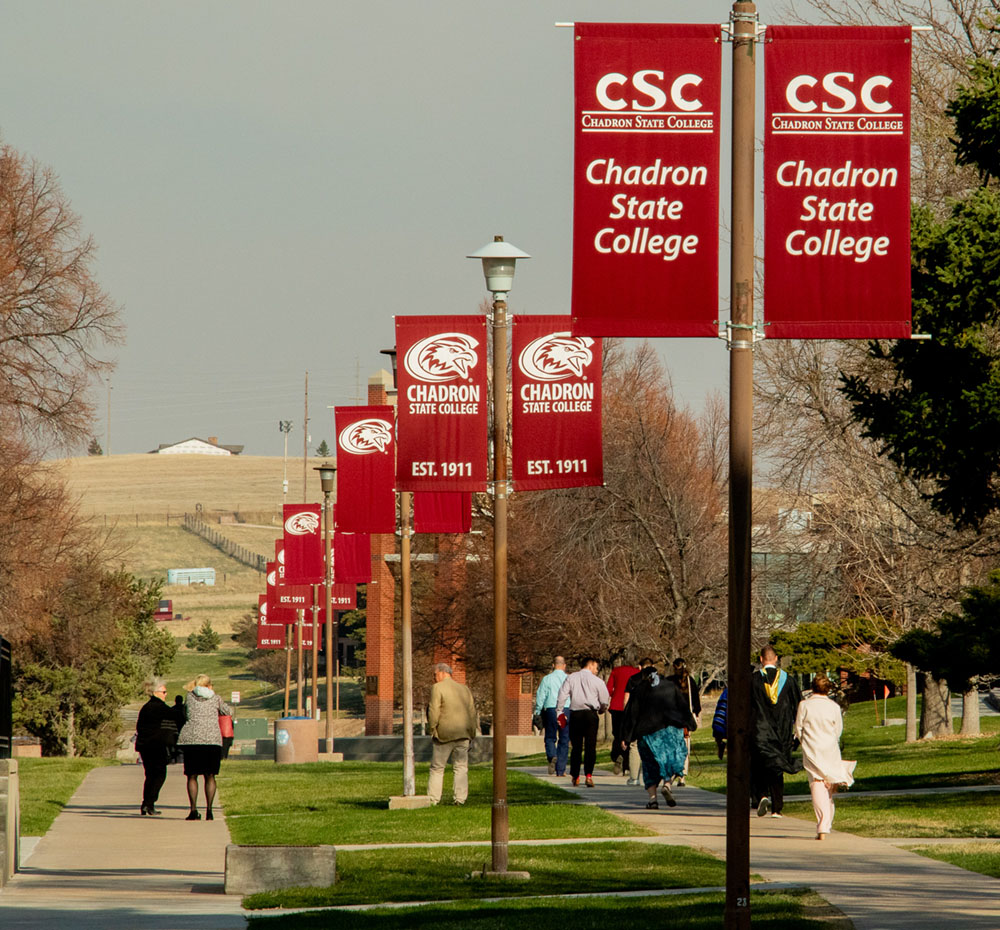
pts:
[380, 624]
[520, 703]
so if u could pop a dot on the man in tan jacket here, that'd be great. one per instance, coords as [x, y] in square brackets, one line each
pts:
[451, 714]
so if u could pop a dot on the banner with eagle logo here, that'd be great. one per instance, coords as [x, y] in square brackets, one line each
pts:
[366, 469]
[303, 544]
[556, 413]
[442, 403]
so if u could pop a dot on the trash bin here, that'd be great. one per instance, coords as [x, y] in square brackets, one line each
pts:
[296, 739]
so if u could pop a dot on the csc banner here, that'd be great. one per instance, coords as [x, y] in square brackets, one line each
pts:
[556, 414]
[837, 182]
[441, 512]
[303, 540]
[442, 403]
[366, 468]
[646, 179]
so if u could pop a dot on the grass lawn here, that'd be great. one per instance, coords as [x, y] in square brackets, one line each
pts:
[46, 785]
[773, 910]
[972, 814]
[227, 667]
[377, 876]
[976, 857]
[346, 803]
[885, 760]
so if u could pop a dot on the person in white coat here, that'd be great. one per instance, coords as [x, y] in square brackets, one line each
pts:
[818, 725]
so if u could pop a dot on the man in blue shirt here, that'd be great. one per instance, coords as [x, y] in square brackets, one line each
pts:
[545, 704]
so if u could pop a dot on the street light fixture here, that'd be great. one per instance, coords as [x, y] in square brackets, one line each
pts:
[327, 474]
[499, 258]
[406, 619]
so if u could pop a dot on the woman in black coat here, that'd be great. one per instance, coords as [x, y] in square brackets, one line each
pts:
[155, 737]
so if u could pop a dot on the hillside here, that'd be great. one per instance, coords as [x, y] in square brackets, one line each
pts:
[119, 485]
[141, 500]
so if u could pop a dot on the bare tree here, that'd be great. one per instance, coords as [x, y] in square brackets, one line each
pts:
[879, 547]
[54, 318]
[636, 566]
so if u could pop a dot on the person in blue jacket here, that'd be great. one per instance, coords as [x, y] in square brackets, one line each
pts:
[556, 737]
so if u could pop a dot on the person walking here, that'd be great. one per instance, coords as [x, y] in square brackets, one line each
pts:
[720, 726]
[688, 688]
[634, 761]
[775, 697]
[201, 741]
[617, 689]
[656, 718]
[819, 723]
[556, 736]
[588, 698]
[155, 736]
[451, 714]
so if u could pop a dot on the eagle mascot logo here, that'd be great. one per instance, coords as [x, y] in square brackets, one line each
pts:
[444, 357]
[365, 437]
[556, 357]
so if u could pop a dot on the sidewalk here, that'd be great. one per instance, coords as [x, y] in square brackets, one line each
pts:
[877, 885]
[101, 865]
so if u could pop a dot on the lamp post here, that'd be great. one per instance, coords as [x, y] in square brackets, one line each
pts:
[498, 259]
[406, 619]
[327, 473]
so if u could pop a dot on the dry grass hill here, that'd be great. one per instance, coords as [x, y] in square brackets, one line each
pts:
[141, 500]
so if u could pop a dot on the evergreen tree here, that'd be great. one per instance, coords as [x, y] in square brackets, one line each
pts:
[323, 449]
[205, 640]
[935, 405]
[95, 447]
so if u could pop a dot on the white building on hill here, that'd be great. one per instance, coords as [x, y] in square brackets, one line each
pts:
[196, 446]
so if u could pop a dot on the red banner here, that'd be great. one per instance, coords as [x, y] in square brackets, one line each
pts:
[295, 596]
[837, 182]
[352, 558]
[556, 412]
[279, 560]
[646, 180]
[270, 635]
[366, 469]
[303, 543]
[442, 403]
[442, 512]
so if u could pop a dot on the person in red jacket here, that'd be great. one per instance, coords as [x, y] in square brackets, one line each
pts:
[617, 682]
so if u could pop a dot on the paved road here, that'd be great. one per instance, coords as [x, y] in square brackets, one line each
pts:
[102, 866]
[877, 885]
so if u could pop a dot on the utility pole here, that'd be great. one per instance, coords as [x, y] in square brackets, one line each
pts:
[107, 443]
[305, 444]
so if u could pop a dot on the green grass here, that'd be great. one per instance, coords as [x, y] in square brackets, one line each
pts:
[376, 876]
[309, 804]
[771, 910]
[226, 667]
[974, 857]
[885, 761]
[971, 814]
[45, 786]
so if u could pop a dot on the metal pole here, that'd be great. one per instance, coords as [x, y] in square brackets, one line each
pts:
[737, 911]
[315, 653]
[332, 648]
[499, 825]
[406, 635]
[305, 440]
[288, 668]
[298, 650]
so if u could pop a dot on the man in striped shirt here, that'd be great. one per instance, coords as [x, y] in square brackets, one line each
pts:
[588, 698]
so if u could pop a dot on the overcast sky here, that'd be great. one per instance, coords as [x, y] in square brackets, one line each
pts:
[268, 183]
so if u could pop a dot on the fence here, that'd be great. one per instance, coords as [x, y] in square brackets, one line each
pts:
[194, 524]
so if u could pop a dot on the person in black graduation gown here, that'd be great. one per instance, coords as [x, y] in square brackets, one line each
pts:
[775, 697]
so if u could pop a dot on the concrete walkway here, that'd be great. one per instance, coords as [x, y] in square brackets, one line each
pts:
[103, 866]
[877, 885]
